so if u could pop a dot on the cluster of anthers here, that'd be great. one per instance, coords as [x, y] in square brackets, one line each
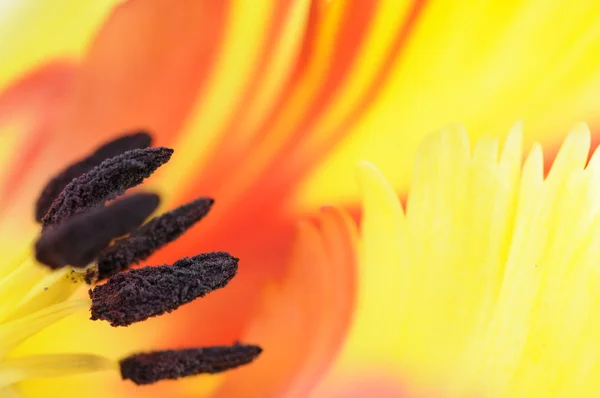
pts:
[101, 241]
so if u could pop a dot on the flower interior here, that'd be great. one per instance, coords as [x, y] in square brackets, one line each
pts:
[89, 234]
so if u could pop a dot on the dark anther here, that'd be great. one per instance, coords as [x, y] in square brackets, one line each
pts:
[78, 240]
[148, 368]
[139, 294]
[144, 241]
[106, 181]
[111, 149]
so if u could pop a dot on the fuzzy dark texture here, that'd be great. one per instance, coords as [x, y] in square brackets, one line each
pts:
[106, 181]
[153, 235]
[139, 294]
[148, 368]
[78, 240]
[111, 149]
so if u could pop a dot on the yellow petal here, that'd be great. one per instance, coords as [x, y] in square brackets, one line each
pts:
[53, 30]
[483, 63]
[495, 288]
[383, 283]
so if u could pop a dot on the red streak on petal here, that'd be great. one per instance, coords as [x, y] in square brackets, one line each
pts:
[291, 163]
[222, 158]
[551, 149]
[315, 18]
[301, 161]
[351, 35]
[37, 99]
[216, 159]
[352, 32]
[298, 156]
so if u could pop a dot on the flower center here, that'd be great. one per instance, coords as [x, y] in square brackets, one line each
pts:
[86, 239]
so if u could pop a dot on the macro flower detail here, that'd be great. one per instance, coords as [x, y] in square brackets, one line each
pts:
[111, 149]
[150, 291]
[79, 225]
[78, 240]
[149, 367]
[268, 109]
[156, 233]
[493, 269]
[106, 181]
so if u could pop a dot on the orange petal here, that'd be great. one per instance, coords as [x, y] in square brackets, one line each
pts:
[29, 112]
[263, 246]
[145, 68]
[301, 322]
[30, 106]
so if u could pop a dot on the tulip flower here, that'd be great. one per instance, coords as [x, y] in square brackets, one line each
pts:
[268, 109]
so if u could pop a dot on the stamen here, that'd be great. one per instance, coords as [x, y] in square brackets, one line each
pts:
[144, 241]
[148, 368]
[78, 240]
[106, 181]
[111, 149]
[139, 294]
